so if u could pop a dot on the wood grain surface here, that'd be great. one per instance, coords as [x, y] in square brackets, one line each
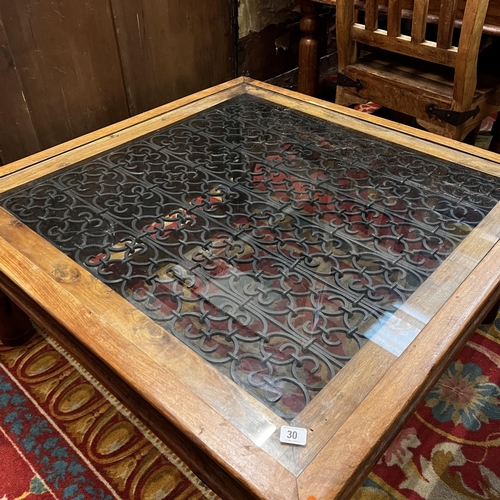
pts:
[14, 111]
[170, 48]
[72, 81]
[358, 412]
[468, 50]
[308, 72]
[419, 21]
[334, 405]
[377, 420]
[68, 68]
[406, 45]
[149, 376]
[394, 17]
[447, 15]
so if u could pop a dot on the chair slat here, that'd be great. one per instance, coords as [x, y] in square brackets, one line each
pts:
[394, 18]
[468, 49]
[403, 45]
[371, 15]
[447, 14]
[419, 23]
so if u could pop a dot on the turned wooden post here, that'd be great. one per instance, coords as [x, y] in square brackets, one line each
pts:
[15, 326]
[308, 49]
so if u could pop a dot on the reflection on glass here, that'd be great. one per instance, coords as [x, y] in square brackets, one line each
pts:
[270, 242]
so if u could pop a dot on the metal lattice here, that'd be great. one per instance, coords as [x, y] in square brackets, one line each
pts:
[268, 241]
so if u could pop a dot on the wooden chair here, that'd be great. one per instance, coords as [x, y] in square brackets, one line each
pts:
[436, 82]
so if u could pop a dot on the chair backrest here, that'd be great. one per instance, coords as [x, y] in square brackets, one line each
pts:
[441, 51]
[491, 23]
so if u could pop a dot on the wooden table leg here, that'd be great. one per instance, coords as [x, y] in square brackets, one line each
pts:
[491, 316]
[15, 326]
[308, 49]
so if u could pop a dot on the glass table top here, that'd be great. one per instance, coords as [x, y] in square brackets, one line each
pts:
[272, 243]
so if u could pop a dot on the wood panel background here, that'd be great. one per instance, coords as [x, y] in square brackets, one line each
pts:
[68, 67]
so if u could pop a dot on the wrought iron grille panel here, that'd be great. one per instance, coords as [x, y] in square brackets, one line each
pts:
[268, 241]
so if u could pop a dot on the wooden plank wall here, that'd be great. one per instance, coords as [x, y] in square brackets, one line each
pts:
[68, 67]
[14, 111]
[160, 62]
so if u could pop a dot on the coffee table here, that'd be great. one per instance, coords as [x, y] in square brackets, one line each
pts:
[248, 258]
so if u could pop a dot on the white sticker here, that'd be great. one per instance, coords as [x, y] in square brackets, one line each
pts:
[293, 435]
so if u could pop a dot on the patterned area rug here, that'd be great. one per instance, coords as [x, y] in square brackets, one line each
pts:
[450, 448]
[62, 436]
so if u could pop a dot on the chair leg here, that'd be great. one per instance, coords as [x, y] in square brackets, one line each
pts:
[345, 98]
[308, 49]
[471, 137]
[495, 141]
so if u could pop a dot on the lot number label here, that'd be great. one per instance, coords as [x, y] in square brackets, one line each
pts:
[293, 435]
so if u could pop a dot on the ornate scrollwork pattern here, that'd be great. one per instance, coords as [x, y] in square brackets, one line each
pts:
[268, 241]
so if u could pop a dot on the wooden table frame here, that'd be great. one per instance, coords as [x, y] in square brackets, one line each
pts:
[225, 435]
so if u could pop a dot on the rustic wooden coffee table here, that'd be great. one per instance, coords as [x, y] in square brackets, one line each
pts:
[248, 258]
